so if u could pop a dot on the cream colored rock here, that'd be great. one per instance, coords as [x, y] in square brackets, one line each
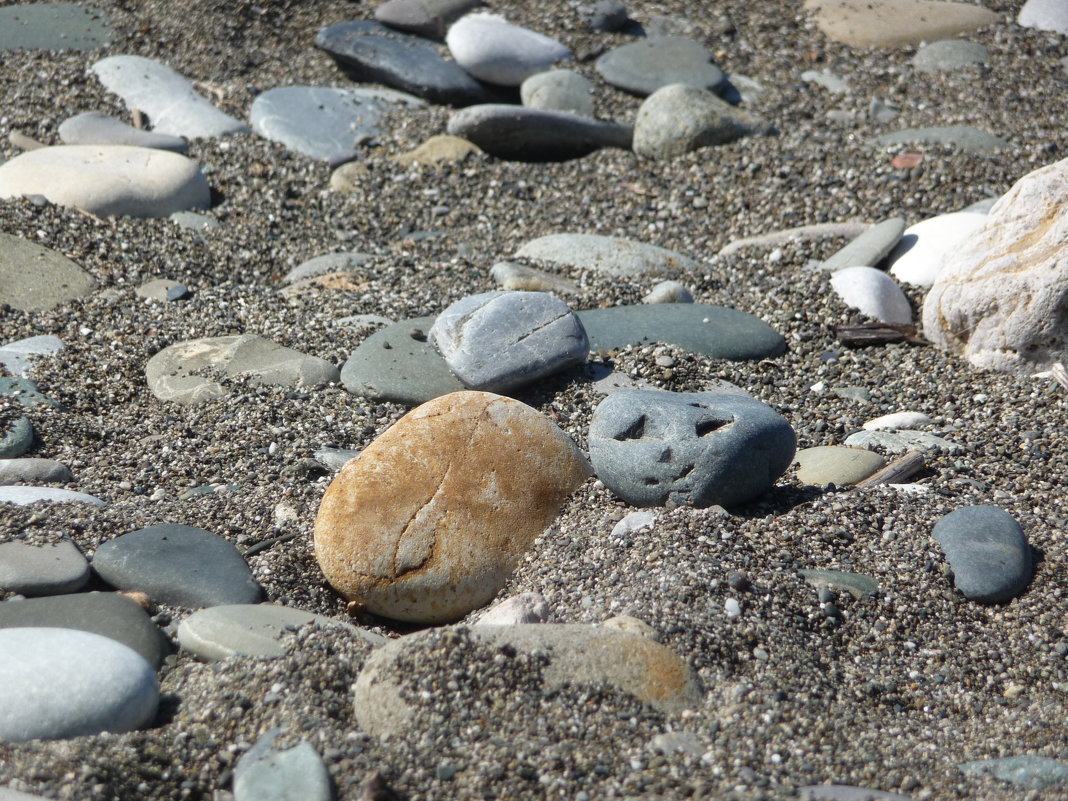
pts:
[430, 520]
[108, 180]
[896, 23]
[1001, 300]
[438, 149]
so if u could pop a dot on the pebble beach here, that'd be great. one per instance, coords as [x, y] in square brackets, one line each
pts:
[804, 635]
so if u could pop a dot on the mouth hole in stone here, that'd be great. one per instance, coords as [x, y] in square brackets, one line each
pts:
[649, 481]
[635, 430]
[706, 427]
[686, 471]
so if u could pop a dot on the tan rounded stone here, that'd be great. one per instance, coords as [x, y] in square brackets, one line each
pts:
[430, 520]
[896, 23]
[436, 149]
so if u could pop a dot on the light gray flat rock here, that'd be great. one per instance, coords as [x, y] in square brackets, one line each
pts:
[16, 356]
[495, 51]
[53, 26]
[24, 496]
[988, 552]
[965, 137]
[869, 248]
[949, 55]
[802, 233]
[1033, 772]
[34, 278]
[649, 64]
[42, 569]
[896, 442]
[606, 254]
[328, 263]
[32, 471]
[269, 772]
[97, 128]
[559, 90]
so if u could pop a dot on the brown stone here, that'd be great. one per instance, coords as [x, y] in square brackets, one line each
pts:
[331, 282]
[430, 520]
[896, 23]
[441, 148]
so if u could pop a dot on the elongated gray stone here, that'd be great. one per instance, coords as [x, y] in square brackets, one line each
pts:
[32, 471]
[34, 278]
[53, 26]
[1033, 772]
[800, 233]
[23, 496]
[269, 772]
[328, 263]
[902, 441]
[646, 65]
[497, 341]
[869, 248]
[949, 55]
[967, 138]
[42, 569]
[988, 552]
[97, 128]
[606, 254]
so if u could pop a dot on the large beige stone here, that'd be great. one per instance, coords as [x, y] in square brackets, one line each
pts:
[578, 656]
[34, 278]
[896, 23]
[1001, 299]
[430, 520]
[108, 180]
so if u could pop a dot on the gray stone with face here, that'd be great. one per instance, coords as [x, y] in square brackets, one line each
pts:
[656, 448]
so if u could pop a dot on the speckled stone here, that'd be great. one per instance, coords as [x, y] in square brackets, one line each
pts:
[34, 278]
[988, 552]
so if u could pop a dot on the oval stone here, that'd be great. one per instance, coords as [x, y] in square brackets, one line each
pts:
[430, 520]
[498, 52]
[988, 552]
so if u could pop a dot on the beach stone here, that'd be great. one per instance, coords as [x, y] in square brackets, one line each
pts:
[519, 133]
[372, 53]
[869, 248]
[403, 532]
[259, 630]
[107, 614]
[847, 792]
[15, 356]
[97, 128]
[439, 149]
[42, 569]
[898, 420]
[426, 18]
[1046, 15]
[108, 180]
[497, 52]
[649, 64]
[622, 258]
[631, 624]
[325, 264]
[949, 55]
[578, 655]
[965, 137]
[830, 464]
[921, 254]
[988, 552]
[392, 365]
[170, 372]
[16, 438]
[173, 106]
[678, 119]
[32, 471]
[162, 289]
[697, 327]
[633, 523]
[179, 565]
[26, 392]
[7, 794]
[655, 448]
[896, 442]
[322, 122]
[802, 233]
[668, 292]
[606, 16]
[525, 608]
[61, 683]
[832, 83]
[191, 221]
[24, 496]
[873, 293]
[34, 278]
[269, 772]
[558, 90]
[497, 341]
[856, 584]
[896, 23]
[1001, 300]
[53, 26]
[334, 459]
[516, 277]
[1033, 772]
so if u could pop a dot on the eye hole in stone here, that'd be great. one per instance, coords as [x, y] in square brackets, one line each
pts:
[706, 427]
[635, 430]
[649, 481]
[666, 455]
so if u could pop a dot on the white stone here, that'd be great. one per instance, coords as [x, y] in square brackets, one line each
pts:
[108, 180]
[873, 292]
[61, 683]
[919, 256]
[16, 356]
[898, 420]
[1001, 300]
[23, 496]
[497, 52]
[668, 292]
[527, 607]
[634, 522]
[1046, 15]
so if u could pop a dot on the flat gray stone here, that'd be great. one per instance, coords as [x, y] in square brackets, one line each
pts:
[896, 442]
[16, 357]
[949, 55]
[372, 53]
[519, 133]
[1046, 15]
[988, 552]
[157, 289]
[53, 26]
[520, 278]
[856, 584]
[426, 18]
[34, 278]
[558, 90]
[201, 223]
[170, 373]
[498, 341]
[869, 248]
[965, 137]
[108, 614]
[655, 448]
[172, 104]
[329, 263]
[16, 438]
[23, 496]
[42, 569]
[623, 258]
[270, 772]
[830, 464]
[61, 683]
[646, 65]
[846, 792]
[26, 392]
[1033, 772]
[322, 122]
[178, 565]
[392, 365]
[678, 119]
[97, 128]
[335, 458]
[498, 52]
[32, 471]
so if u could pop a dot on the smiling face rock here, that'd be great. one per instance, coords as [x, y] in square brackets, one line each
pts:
[657, 448]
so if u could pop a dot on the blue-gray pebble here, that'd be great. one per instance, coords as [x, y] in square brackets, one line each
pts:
[988, 552]
[272, 773]
[655, 448]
